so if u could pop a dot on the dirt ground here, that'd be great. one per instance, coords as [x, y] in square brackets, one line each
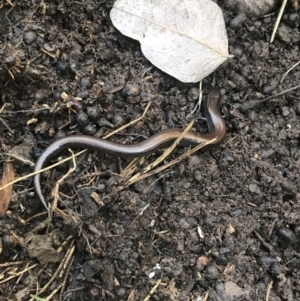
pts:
[223, 224]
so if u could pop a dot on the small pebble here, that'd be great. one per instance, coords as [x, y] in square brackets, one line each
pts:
[275, 269]
[228, 157]
[94, 292]
[267, 153]
[193, 93]
[285, 111]
[104, 122]
[253, 116]
[293, 19]
[220, 287]
[60, 134]
[202, 262]
[212, 272]
[288, 186]
[287, 235]
[198, 175]
[254, 188]
[224, 250]
[266, 261]
[282, 134]
[10, 61]
[237, 52]
[89, 129]
[184, 224]
[121, 292]
[74, 66]
[86, 82]
[56, 96]
[29, 37]
[83, 94]
[50, 47]
[238, 20]
[82, 118]
[62, 67]
[93, 112]
[252, 8]
[235, 212]
[110, 98]
[284, 33]
[118, 119]
[133, 90]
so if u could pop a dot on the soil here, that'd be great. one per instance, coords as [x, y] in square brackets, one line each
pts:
[223, 224]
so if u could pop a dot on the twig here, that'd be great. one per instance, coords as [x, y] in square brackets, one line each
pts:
[286, 73]
[152, 290]
[175, 161]
[268, 290]
[198, 104]
[17, 274]
[55, 191]
[264, 243]
[6, 125]
[164, 155]
[252, 103]
[278, 20]
[61, 266]
[42, 170]
[130, 123]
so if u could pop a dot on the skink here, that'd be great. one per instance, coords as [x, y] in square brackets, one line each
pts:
[163, 139]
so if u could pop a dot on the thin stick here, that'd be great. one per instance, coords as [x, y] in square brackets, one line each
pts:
[55, 191]
[286, 73]
[268, 290]
[175, 161]
[130, 123]
[42, 170]
[79, 153]
[164, 155]
[252, 103]
[152, 290]
[278, 20]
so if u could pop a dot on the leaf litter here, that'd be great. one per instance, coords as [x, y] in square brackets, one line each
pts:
[184, 38]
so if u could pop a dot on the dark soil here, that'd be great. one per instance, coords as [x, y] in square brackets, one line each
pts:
[224, 221]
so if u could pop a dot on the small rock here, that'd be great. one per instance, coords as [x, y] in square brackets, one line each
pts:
[287, 234]
[193, 93]
[282, 134]
[83, 94]
[212, 272]
[285, 111]
[252, 8]
[237, 21]
[93, 113]
[184, 224]
[232, 290]
[235, 212]
[254, 188]
[275, 269]
[267, 153]
[89, 129]
[82, 118]
[29, 37]
[86, 82]
[62, 66]
[284, 34]
[118, 119]
[202, 262]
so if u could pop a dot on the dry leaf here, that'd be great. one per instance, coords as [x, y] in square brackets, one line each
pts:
[184, 38]
[5, 194]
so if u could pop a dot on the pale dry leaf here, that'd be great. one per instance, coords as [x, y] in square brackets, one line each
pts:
[5, 194]
[185, 38]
